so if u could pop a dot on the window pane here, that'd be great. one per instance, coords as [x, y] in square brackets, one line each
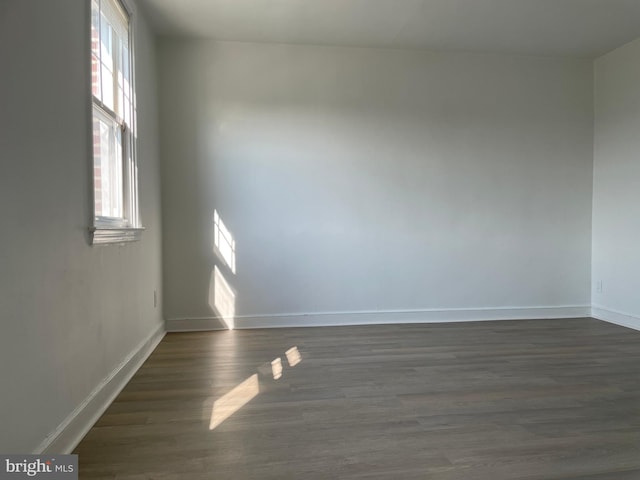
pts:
[126, 86]
[117, 186]
[116, 16]
[95, 77]
[96, 87]
[106, 42]
[95, 29]
[107, 166]
[98, 152]
[107, 61]
[121, 61]
[122, 68]
[107, 87]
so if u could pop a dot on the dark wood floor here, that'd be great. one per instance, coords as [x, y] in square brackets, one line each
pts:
[544, 399]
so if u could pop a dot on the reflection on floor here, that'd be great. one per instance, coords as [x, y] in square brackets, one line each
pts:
[237, 398]
[233, 401]
[276, 368]
[547, 399]
[293, 356]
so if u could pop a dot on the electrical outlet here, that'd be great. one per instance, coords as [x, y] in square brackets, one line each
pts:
[155, 299]
[599, 286]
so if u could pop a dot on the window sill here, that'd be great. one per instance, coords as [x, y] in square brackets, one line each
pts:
[106, 236]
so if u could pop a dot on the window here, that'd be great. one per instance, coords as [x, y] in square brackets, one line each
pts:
[115, 172]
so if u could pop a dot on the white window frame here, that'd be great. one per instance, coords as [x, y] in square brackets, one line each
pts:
[127, 228]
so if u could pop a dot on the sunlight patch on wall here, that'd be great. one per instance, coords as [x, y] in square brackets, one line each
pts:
[223, 242]
[222, 299]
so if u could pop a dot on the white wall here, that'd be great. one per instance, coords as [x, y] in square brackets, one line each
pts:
[71, 313]
[374, 180]
[616, 195]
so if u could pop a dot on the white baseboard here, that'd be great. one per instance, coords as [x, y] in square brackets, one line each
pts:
[612, 316]
[69, 433]
[330, 319]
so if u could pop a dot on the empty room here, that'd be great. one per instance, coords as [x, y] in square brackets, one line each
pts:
[353, 239]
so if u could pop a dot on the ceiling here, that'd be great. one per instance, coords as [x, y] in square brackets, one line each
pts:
[586, 28]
